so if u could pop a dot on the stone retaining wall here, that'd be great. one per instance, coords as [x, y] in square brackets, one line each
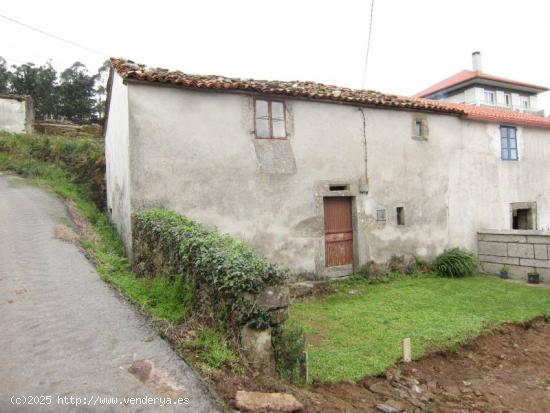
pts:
[522, 251]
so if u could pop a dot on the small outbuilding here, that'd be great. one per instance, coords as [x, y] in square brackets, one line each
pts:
[16, 113]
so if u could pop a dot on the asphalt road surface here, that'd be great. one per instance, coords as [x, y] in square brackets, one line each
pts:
[68, 341]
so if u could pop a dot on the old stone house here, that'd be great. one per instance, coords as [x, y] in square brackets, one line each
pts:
[319, 178]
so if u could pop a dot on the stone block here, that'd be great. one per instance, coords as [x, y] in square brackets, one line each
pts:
[492, 248]
[272, 297]
[301, 289]
[517, 272]
[521, 250]
[539, 239]
[257, 348]
[279, 315]
[490, 268]
[534, 263]
[541, 251]
[502, 238]
[499, 260]
[254, 402]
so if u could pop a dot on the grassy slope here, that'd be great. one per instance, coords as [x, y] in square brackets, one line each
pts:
[358, 331]
[158, 297]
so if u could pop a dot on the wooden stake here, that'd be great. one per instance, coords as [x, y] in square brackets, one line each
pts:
[304, 370]
[407, 356]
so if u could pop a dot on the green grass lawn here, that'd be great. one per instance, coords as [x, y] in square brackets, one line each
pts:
[358, 331]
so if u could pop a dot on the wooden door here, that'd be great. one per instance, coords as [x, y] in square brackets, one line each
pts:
[338, 231]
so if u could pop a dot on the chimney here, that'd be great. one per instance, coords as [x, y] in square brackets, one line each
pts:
[476, 61]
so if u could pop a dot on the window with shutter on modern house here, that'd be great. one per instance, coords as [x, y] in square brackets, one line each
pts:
[508, 143]
[489, 97]
[507, 99]
[270, 119]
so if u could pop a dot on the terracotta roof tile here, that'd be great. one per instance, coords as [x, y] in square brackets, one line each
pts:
[304, 89]
[318, 91]
[467, 75]
[494, 115]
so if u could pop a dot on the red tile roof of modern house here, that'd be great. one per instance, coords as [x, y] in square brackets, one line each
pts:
[304, 89]
[468, 75]
[501, 116]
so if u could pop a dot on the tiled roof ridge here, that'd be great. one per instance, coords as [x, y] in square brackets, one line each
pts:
[305, 89]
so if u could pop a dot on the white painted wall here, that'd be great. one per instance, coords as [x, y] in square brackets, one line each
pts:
[15, 115]
[117, 161]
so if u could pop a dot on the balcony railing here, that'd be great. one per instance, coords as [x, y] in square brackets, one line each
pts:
[514, 108]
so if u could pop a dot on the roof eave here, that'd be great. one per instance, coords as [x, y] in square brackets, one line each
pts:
[435, 109]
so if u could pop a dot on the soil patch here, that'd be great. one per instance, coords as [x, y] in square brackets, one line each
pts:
[505, 370]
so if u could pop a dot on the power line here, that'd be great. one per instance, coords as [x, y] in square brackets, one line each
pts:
[368, 47]
[53, 36]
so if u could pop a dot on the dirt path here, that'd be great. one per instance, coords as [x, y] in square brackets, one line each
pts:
[506, 370]
[64, 332]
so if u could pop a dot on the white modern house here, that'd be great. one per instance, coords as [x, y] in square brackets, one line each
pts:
[475, 87]
[319, 178]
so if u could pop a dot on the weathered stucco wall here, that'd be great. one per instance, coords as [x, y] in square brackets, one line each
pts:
[451, 184]
[195, 152]
[521, 251]
[16, 114]
[117, 161]
[411, 173]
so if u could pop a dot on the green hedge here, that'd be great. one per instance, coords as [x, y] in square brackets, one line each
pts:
[226, 274]
[84, 158]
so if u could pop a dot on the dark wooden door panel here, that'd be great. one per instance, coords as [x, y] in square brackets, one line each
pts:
[338, 231]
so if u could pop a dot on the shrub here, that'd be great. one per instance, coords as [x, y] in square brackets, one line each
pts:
[227, 274]
[288, 347]
[456, 263]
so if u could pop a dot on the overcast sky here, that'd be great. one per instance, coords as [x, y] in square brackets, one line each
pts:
[414, 43]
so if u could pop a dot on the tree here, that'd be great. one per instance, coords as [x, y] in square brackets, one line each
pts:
[76, 94]
[101, 79]
[4, 76]
[38, 82]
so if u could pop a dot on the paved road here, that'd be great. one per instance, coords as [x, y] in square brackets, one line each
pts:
[64, 332]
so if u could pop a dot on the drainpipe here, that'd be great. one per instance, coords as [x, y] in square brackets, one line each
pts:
[364, 182]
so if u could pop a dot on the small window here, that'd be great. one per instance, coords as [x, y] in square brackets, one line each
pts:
[400, 215]
[420, 127]
[490, 97]
[508, 143]
[524, 101]
[507, 99]
[338, 187]
[380, 214]
[270, 119]
[524, 215]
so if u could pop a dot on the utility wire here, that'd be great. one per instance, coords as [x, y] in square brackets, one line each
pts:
[53, 36]
[368, 47]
